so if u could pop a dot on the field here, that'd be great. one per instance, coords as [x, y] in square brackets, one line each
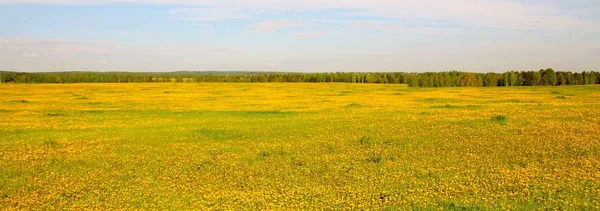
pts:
[298, 146]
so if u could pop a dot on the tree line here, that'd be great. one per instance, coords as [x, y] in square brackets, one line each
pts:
[543, 77]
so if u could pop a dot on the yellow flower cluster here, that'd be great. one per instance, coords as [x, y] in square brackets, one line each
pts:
[298, 146]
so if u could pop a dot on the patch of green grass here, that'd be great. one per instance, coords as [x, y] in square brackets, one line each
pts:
[265, 154]
[54, 114]
[74, 94]
[272, 113]
[561, 97]
[50, 143]
[500, 119]
[441, 100]
[204, 165]
[19, 101]
[514, 101]
[365, 140]
[353, 105]
[374, 158]
[209, 99]
[331, 149]
[474, 107]
[94, 111]
[371, 142]
[447, 106]
[468, 107]
[215, 134]
[444, 205]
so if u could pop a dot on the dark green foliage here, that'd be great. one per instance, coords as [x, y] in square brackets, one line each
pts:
[544, 77]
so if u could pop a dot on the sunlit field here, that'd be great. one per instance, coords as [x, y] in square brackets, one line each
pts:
[298, 146]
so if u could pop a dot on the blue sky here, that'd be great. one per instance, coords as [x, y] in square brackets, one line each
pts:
[304, 36]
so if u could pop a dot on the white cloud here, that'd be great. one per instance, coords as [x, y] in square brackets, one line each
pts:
[274, 25]
[32, 54]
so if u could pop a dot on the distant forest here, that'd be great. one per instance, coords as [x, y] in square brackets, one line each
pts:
[544, 77]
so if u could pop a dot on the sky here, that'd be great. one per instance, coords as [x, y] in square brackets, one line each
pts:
[299, 35]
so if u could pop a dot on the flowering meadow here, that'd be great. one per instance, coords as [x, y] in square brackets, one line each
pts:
[275, 146]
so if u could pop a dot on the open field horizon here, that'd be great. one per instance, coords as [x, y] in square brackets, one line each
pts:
[298, 146]
[299, 105]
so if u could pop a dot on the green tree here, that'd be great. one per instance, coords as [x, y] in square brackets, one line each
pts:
[537, 78]
[548, 77]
